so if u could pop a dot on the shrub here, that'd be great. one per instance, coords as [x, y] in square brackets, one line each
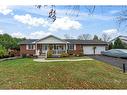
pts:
[70, 52]
[24, 56]
[79, 54]
[49, 53]
[3, 51]
[64, 54]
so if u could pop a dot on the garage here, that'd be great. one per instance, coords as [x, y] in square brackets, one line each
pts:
[89, 50]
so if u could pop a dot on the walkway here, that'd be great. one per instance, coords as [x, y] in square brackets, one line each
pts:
[43, 60]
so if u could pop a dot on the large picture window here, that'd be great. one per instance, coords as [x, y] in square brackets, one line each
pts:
[30, 47]
[71, 47]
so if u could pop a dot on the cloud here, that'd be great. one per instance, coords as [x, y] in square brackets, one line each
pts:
[38, 34]
[31, 21]
[5, 10]
[1, 32]
[111, 32]
[17, 35]
[114, 11]
[64, 23]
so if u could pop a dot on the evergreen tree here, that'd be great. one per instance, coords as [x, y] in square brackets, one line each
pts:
[110, 46]
[95, 37]
[118, 44]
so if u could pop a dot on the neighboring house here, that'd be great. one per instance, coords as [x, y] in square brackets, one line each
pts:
[39, 46]
[122, 38]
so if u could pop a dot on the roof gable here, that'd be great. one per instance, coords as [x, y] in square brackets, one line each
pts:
[51, 39]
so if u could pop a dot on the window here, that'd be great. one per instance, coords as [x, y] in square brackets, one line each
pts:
[70, 47]
[30, 47]
[45, 47]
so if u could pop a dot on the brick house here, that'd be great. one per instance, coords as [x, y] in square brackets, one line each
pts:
[72, 46]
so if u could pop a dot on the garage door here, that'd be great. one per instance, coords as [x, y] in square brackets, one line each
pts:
[88, 50]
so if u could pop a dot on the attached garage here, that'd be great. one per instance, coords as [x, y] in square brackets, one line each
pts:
[89, 50]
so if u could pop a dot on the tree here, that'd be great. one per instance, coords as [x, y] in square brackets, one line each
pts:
[110, 46]
[84, 37]
[95, 37]
[72, 10]
[66, 36]
[9, 42]
[3, 51]
[118, 44]
[105, 37]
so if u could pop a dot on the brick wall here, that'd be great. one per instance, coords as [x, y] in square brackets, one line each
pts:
[23, 50]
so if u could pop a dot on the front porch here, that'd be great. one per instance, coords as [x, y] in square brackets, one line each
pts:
[57, 49]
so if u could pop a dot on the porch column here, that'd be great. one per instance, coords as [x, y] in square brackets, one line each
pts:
[66, 47]
[35, 48]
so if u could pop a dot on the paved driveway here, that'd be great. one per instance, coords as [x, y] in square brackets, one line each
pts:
[118, 62]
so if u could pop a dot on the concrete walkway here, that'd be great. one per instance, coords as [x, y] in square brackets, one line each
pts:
[43, 60]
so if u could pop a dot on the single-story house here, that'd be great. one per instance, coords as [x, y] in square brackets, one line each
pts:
[58, 46]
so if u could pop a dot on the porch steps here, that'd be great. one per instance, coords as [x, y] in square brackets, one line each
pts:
[43, 55]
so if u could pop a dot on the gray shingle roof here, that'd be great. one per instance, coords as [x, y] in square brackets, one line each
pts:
[86, 42]
[28, 41]
[72, 41]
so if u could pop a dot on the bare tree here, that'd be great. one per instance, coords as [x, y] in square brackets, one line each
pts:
[106, 37]
[51, 12]
[84, 37]
[66, 36]
[71, 10]
[122, 19]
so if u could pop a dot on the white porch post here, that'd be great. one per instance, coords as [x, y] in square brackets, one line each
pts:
[35, 48]
[66, 47]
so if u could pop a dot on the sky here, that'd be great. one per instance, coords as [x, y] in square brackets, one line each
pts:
[33, 23]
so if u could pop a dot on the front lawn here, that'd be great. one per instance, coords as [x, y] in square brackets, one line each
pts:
[27, 74]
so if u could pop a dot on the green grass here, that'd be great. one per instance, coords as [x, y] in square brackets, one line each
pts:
[26, 74]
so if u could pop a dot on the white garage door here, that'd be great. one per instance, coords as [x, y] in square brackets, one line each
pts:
[88, 50]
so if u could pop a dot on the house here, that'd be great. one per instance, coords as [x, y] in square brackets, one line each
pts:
[58, 46]
[122, 38]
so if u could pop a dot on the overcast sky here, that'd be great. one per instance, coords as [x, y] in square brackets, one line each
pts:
[30, 22]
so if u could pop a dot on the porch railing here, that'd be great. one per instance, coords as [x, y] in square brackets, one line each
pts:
[58, 51]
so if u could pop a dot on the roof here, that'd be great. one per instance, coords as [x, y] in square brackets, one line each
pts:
[122, 38]
[86, 42]
[51, 36]
[28, 41]
[72, 41]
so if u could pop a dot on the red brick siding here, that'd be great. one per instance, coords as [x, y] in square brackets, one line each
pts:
[24, 51]
[79, 48]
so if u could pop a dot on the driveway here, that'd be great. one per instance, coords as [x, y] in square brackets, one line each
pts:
[118, 62]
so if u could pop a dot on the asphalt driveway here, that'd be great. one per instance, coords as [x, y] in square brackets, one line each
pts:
[118, 62]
